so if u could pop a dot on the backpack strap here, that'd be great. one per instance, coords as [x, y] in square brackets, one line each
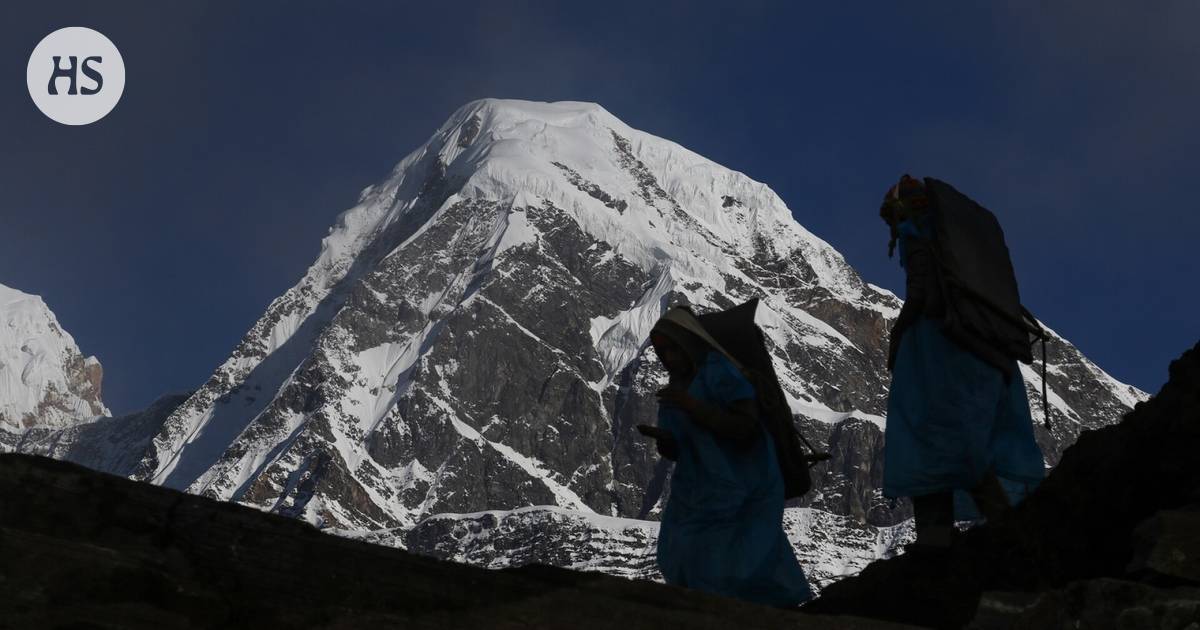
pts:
[762, 380]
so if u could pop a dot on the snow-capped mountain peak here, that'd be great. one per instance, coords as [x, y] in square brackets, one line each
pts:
[45, 381]
[471, 340]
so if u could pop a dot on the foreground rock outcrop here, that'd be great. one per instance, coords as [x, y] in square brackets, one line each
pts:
[1111, 539]
[82, 549]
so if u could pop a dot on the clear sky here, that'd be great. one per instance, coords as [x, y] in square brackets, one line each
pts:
[159, 234]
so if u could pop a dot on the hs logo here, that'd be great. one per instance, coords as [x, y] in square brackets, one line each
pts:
[69, 72]
[75, 76]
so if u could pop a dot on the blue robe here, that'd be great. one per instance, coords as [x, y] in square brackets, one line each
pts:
[951, 417]
[722, 528]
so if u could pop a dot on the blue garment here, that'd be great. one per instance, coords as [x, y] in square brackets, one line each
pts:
[722, 528]
[952, 417]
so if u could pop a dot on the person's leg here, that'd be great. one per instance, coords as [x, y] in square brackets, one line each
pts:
[990, 497]
[934, 515]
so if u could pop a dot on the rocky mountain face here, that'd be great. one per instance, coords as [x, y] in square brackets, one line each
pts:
[460, 371]
[45, 381]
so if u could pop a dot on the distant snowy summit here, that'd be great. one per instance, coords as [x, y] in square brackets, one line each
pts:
[45, 381]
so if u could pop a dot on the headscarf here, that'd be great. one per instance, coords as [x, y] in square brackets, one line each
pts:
[693, 347]
[680, 326]
[905, 200]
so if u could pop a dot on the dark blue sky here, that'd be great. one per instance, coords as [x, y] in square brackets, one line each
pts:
[159, 234]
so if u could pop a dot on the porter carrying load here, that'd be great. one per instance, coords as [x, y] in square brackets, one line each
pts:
[734, 334]
[982, 307]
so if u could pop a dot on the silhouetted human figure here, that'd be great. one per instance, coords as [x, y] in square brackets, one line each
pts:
[722, 526]
[955, 422]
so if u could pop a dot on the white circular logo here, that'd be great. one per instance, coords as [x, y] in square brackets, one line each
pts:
[75, 75]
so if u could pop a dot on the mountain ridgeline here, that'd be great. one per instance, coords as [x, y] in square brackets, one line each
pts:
[460, 371]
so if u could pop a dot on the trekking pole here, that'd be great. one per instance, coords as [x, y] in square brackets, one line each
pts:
[1045, 398]
[1039, 333]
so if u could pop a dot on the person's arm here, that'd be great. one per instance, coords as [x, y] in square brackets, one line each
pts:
[738, 423]
[918, 282]
[664, 442]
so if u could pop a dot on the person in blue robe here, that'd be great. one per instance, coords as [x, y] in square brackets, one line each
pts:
[959, 436]
[721, 529]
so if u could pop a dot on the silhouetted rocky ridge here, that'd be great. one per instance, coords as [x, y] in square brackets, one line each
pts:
[1111, 539]
[83, 549]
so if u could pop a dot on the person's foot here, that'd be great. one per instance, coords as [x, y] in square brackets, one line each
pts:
[990, 497]
[936, 535]
[933, 542]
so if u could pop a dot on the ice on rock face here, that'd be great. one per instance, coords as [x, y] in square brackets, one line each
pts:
[44, 379]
